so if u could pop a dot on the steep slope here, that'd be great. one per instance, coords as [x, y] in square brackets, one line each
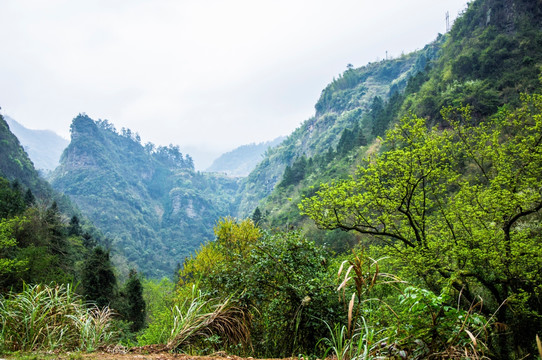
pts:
[341, 106]
[149, 200]
[44, 147]
[242, 160]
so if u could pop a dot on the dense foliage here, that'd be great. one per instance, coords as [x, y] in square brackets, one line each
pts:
[456, 207]
[280, 279]
[41, 244]
[44, 318]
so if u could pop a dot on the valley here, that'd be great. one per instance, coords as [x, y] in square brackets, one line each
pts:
[400, 221]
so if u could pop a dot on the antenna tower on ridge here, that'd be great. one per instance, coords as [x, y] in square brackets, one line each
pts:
[447, 21]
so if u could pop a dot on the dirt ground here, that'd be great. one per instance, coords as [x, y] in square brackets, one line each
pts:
[158, 356]
[142, 353]
[157, 353]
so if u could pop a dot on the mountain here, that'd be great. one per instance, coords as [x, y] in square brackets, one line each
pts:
[491, 56]
[242, 160]
[44, 147]
[158, 209]
[341, 106]
[149, 200]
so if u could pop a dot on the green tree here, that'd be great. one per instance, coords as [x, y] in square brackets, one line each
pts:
[11, 200]
[295, 173]
[29, 198]
[281, 278]
[74, 228]
[134, 304]
[98, 280]
[347, 142]
[257, 216]
[456, 207]
[377, 117]
[9, 263]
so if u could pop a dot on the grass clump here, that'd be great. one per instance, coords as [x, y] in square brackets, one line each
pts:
[194, 320]
[51, 318]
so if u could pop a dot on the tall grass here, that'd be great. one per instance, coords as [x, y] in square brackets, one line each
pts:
[344, 344]
[47, 318]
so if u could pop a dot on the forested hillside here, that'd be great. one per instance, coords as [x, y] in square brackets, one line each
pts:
[382, 194]
[16, 165]
[340, 107]
[148, 199]
[42, 236]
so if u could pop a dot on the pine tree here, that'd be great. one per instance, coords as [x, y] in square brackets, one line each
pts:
[135, 309]
[75, 227]
[257, 216]
[98, 279]
[29, 198]
[56, 230]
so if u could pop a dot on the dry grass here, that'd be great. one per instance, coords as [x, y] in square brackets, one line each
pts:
[202, 320]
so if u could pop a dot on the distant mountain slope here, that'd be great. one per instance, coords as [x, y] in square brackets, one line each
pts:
[342, 105]
[44, 147]
[149, 200]
[242, 160]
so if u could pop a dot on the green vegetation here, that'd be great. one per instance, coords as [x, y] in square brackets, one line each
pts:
[200, 323]
[456, 207]
[43, 253]
[300, 299]
[276, 278]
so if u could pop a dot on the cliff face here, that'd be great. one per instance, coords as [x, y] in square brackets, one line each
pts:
[148, 200]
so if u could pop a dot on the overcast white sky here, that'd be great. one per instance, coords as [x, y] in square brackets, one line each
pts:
[207, 75]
